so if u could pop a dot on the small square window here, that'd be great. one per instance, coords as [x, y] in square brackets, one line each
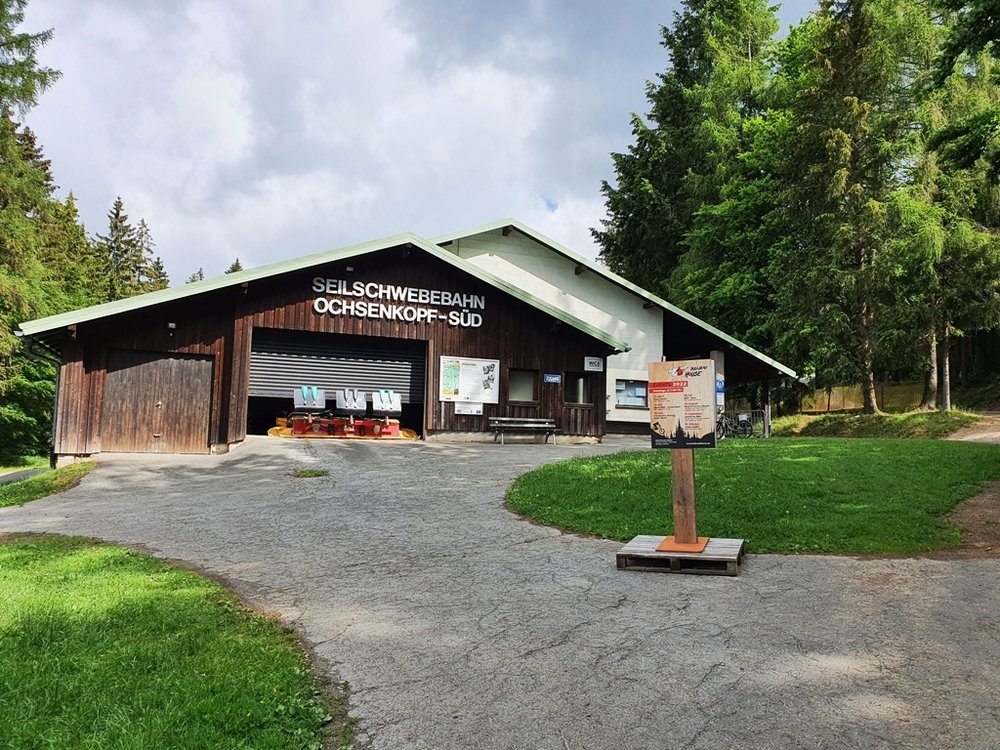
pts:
[523, 385]
[577, 389]
[631, 393]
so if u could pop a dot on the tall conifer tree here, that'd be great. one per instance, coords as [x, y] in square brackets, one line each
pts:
[126, 253]
[26, 282]
[717, 51]
[855, 110]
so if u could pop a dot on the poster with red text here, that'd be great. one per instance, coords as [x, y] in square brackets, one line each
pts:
[682, 404]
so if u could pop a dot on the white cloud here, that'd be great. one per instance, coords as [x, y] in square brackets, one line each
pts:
[267, 132]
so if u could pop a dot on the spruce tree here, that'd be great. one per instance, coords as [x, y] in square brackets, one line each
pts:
[23, 196]
[29, 286]
[126, 254]
[854, 110]
[681, 157]
[235, 267]
[963, 277]
[973, 32]
[71, 266]
[150, 274]
[22, 79]
[158, 278]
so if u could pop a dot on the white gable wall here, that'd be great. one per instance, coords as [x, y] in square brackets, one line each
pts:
[551, 277]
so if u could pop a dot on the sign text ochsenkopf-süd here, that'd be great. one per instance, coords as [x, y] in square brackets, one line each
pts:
[406, 304]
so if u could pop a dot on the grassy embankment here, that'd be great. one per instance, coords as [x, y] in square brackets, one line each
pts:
[47, 482]
[912, 424]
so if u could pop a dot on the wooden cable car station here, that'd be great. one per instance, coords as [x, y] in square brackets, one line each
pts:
[449, 342]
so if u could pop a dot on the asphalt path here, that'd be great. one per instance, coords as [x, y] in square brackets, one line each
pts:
[460, 625]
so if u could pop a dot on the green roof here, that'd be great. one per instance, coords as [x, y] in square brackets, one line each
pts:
[620, 281]
[41, 326]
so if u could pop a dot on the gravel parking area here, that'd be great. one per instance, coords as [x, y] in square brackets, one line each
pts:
[459, 625]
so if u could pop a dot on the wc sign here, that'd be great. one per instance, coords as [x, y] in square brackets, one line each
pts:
[593, 364]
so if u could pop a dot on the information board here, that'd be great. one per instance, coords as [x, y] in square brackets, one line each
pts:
[682, 404]
[464, 379]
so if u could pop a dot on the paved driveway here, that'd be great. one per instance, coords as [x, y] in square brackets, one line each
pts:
[459, 625]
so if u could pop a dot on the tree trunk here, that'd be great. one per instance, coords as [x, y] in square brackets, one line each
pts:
[963, 361]
[868, 391]
[945, 372]
[929, 401]
[867, 361]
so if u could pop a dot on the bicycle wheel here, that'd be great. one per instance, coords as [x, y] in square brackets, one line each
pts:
[720, 429]
[744, 429]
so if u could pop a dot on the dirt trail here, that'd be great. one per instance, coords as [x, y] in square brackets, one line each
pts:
[979, 516]
[986, 430]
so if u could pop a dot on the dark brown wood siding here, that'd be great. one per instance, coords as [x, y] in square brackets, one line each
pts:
[219, 325]
[199, 327]
[156, 402]
[76, 428]
[514, 332]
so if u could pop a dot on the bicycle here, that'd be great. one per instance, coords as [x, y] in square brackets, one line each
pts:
[726, 426]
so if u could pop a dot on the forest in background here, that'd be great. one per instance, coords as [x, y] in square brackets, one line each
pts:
[831, 198]
[48, 263]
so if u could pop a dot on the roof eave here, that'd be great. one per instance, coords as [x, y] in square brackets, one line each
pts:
[35, 328]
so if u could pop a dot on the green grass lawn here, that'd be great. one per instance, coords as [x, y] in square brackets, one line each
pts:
[48, 482]
[781, 495]
[102, 647]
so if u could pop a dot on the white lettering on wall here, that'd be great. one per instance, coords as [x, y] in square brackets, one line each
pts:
[374, 300]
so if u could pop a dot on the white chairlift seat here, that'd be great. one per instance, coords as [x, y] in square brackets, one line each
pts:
[386, 402]
[351, 402]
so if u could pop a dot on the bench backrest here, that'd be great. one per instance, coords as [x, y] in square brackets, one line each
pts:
[522, 422]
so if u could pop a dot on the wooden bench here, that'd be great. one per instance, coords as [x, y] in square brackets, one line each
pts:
[500, 425]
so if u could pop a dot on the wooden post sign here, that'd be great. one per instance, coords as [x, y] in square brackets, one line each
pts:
[682, 417]
[682, 414]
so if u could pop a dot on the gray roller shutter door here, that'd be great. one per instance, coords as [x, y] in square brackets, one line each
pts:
[280, 364]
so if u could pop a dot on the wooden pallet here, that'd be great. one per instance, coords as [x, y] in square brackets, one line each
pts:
[721, 557]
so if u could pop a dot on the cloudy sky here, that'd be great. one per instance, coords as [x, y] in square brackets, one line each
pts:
[237, 129]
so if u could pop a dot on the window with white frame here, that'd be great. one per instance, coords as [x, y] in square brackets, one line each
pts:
[631, 393]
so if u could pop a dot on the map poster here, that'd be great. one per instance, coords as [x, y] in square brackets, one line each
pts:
[464, 379]
[682, 404]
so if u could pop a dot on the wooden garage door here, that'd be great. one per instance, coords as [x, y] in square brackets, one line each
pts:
[156, 403]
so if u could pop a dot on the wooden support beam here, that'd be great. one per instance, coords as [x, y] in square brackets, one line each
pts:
[682, 481]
